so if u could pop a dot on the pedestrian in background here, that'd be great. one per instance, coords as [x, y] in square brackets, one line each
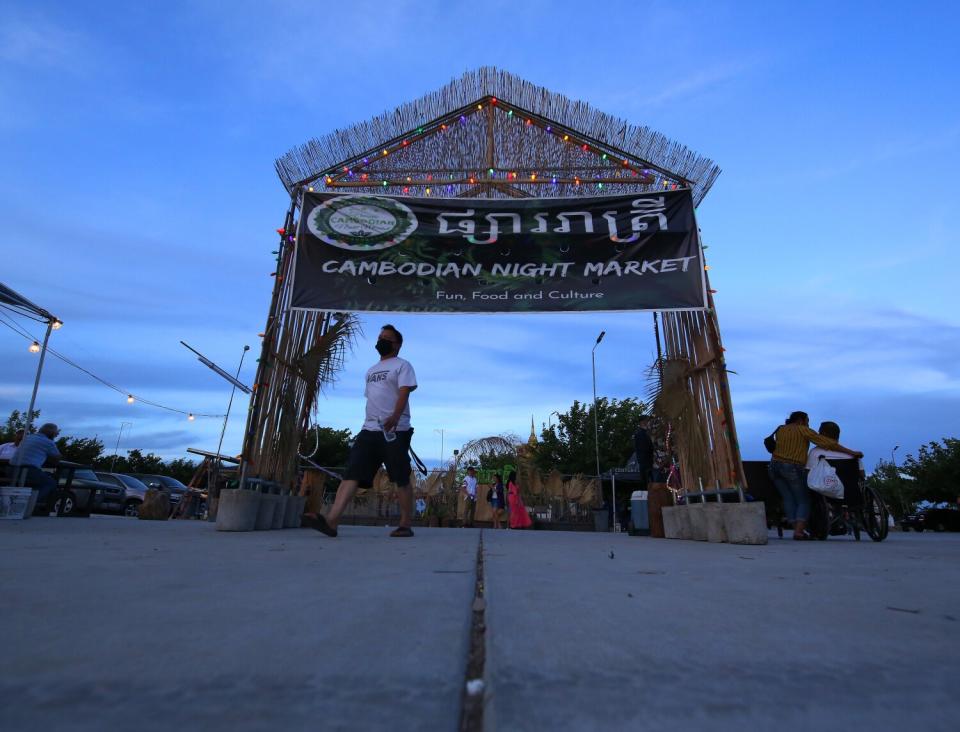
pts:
[519, 518]
[788, 467]
[497, 501]
[469, 490]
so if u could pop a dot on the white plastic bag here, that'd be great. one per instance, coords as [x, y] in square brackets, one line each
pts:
[823, 479]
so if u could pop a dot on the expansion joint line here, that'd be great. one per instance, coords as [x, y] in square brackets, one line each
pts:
[474, 693]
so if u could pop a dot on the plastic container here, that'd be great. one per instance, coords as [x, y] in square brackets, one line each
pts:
[639, 513]
[15, 502]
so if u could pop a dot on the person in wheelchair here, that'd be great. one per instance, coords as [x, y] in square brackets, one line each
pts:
[849, 469]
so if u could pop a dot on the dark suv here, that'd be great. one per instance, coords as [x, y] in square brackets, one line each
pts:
[133, 490]
[935, 519]
[172, 486]
[107, 497]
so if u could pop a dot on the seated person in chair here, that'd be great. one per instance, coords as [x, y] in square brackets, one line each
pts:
[34, 451]
[849, 470]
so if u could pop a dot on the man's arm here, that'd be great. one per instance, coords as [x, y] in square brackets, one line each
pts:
[390, 422]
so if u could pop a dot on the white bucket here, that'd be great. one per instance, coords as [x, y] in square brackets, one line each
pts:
[15, 502]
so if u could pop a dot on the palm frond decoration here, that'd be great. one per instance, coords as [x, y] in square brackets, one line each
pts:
[670, 393]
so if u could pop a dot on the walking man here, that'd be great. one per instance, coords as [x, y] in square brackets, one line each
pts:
[384, 438]
[469, 490]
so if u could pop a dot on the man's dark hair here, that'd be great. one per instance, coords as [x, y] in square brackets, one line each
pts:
[830, 429]
[396, 332]
[797, 417]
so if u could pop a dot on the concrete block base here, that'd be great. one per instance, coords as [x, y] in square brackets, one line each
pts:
[237, 510]
[280, 514]
[716, 530]
[295, 506]
[266, 511]
[676, 522]
[745, 523]
[698, 521]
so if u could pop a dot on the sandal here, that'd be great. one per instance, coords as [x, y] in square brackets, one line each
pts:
[319, 523]
[401, 532]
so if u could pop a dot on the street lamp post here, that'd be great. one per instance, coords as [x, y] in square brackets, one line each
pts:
[52, 324]
[116, 448]
[596, 423]
[896, 477]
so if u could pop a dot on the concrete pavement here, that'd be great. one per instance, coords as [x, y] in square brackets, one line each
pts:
[116, 624]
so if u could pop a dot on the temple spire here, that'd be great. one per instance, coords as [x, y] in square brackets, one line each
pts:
[533, 433]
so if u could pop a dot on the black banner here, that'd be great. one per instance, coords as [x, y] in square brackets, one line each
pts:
[365, 253]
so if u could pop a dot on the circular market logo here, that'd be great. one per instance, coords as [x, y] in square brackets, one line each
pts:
[362, 223]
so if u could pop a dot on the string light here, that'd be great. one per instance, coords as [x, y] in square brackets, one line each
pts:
[34, 347]
[428, 191]
[386, 152]
[191, 417]
[130, 399]
[56, 324]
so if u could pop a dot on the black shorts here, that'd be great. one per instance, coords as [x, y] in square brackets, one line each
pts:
[370, 450]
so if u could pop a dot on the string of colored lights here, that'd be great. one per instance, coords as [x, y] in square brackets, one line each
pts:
[131, 397]
[346, 176]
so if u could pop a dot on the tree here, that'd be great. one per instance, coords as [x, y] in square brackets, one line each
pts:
[936, 470]
[569, 446]
[83, 450]
[900, 495]
[15, 422]
[332, 446]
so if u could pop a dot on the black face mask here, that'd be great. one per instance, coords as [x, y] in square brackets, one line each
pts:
[384, 348]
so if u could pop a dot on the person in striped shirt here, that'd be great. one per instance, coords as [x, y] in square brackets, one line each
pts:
[788, 467]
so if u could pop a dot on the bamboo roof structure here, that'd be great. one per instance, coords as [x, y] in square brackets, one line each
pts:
[492, 134]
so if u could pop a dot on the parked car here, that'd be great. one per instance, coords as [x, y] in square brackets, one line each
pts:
[133, 490]
[935, 519]
[172, 486]
[106, 497]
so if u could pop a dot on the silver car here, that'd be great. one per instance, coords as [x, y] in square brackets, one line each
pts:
[134, 490]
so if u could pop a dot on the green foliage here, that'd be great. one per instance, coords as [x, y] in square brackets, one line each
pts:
[83, 450]
[569, 445]
[933, 475]
[936, 470]
[900, 495]
[333, 446]
[332, 451]
[17, 421]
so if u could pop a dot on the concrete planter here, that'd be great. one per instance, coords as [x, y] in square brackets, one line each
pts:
[745, 523]
[266, 512]
[238, 510]
[676, 522]
[698, 521]
[280, 515]
[295, 506]
[716, 529]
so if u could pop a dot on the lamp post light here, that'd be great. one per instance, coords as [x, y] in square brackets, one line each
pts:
[555, 412]
[596, 428]
[116, 449]
[896, 477]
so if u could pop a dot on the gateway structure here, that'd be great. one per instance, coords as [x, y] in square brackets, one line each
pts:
[493, 195]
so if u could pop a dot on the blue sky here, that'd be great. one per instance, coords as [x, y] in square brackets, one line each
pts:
[138, 202]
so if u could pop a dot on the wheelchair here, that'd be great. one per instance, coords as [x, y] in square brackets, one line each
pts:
[861, 510]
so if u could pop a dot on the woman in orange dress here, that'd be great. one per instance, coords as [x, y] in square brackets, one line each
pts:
[519, 518]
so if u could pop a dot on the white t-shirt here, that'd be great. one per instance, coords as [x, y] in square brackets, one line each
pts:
[814, 457]
[384, 380]
[470, 483]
